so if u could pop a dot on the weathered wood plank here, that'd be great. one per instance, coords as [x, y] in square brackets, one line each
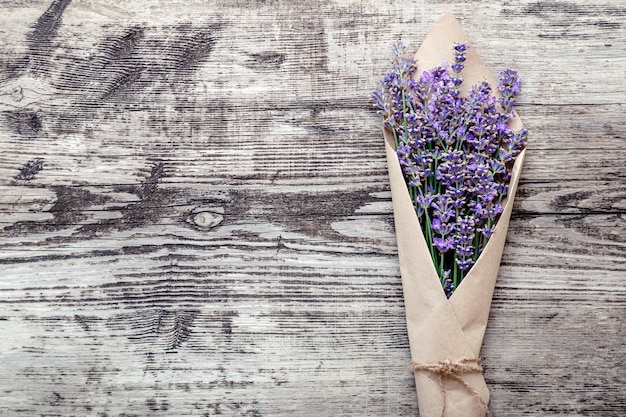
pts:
[229, 314]
[195, 216]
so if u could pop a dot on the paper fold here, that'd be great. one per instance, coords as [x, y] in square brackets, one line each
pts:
[443, 329]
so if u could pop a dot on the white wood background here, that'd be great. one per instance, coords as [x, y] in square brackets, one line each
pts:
[195, 217]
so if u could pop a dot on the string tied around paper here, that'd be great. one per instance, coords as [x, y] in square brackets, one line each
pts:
[453, 370]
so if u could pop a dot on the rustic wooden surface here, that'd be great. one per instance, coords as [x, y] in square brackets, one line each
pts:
[195, 217]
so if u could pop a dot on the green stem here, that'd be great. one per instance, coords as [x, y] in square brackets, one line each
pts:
[477, 243]
[429, 237]
[406, 129]
[441, 265]
[455, 268]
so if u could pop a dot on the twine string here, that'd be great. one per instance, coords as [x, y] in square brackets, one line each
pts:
[453, 370]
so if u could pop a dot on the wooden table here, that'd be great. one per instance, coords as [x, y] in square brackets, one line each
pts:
[195, 216]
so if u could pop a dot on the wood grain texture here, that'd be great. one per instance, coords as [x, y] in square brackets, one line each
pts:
[195, 217]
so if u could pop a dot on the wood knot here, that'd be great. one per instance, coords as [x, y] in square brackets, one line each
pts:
[207, 219]
[17, 94]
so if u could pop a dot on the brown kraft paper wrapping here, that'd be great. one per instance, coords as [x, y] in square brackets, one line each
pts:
[442, 329]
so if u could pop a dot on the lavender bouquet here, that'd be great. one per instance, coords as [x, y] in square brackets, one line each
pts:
[455, 147]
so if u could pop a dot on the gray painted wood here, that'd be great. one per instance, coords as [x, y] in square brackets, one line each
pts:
[195, 217]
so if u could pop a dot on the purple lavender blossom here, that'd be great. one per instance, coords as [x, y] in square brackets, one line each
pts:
[446, 282]
[456, 152]
[459, 59]
[509, 86]
[423, 200]
[443, 244]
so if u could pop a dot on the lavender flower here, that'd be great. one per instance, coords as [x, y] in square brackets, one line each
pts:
[509, 87]
[459, 58]
[446, 282]
[456, 150]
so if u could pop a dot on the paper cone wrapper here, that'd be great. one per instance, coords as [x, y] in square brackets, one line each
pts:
[439, 328]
